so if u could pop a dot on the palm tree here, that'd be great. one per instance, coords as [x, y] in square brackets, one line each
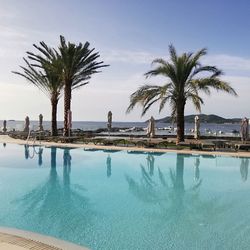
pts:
[43, 70]
[79, 63]
[186, 78]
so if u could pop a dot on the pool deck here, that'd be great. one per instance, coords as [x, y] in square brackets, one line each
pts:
[14, 239]
[8, 139]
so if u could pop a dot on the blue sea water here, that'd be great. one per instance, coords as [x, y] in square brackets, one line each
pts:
[89, 125]
[126, 200]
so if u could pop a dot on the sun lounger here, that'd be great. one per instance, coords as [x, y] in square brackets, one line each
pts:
[162, 144]
[97, 141]
[68, 139]
[207, 146]
[241, 146]
[142, 143]
[195, 146]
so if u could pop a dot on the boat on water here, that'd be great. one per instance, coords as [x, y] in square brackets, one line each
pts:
[165, 128]
[133, 129]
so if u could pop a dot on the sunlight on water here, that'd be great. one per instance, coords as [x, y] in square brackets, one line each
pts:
[120, 200]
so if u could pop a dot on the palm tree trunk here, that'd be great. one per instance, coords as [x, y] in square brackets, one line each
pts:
[67, 106]
[54, 102]
[180, 122]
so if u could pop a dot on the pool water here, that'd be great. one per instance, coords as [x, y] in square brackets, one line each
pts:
[126, 200]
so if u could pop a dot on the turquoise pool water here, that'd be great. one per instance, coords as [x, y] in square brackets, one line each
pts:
[119, 200]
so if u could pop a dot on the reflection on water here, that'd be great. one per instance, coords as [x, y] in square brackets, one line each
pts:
[170, 202]
[26, 151]
[66, 167]
[151, 164]
[57, 204]
[178, 205]
[40, 156]
[197, 169]
[244, 168]
[31, 151]
[108, 163]
[53, 157]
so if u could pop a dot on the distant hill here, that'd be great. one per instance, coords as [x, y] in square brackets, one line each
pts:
[203, 119]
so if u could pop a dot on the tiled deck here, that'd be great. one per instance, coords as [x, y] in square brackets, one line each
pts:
[13, 242]
[15, 239]
[7, 139]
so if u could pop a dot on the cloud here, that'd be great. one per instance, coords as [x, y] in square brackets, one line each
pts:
[129, 56]
[223, 61]
[228, 62]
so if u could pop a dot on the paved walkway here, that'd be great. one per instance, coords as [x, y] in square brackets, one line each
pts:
[14, 239]
[7, 139]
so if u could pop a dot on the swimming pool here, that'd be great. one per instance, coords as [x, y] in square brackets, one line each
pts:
[126, 200]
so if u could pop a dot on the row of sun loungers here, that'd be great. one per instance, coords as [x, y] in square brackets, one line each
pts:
[164, 144]
[222, 145]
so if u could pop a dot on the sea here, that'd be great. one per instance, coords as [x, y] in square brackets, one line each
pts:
[161, 128]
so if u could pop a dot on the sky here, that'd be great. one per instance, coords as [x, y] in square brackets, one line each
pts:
[128, 35]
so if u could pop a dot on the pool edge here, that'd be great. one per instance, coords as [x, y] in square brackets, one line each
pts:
[39, 238]
[7, 139]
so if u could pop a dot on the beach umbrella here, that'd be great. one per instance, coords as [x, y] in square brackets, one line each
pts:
[196, 127]
[4, 126]
[69, 122]
[244, 129]
[151, 127]
[247, 129]
[40, 122]
[26, 124]
[109, 124]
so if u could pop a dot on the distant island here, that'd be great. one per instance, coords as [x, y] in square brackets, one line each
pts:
[203, 119]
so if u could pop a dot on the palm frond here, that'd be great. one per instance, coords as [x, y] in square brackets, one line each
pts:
[214, 83]
[187, 77]
[173, 54]
[43, 70]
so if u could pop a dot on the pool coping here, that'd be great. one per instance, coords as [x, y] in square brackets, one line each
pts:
[8, 139]
[21, 239]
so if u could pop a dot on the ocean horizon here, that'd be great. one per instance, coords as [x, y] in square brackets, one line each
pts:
[18, 125]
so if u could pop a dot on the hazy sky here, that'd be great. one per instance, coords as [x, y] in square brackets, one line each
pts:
[129, 35]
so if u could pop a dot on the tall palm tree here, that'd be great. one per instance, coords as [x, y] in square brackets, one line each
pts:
[79, 63]
[186, 78]
[43, 70]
